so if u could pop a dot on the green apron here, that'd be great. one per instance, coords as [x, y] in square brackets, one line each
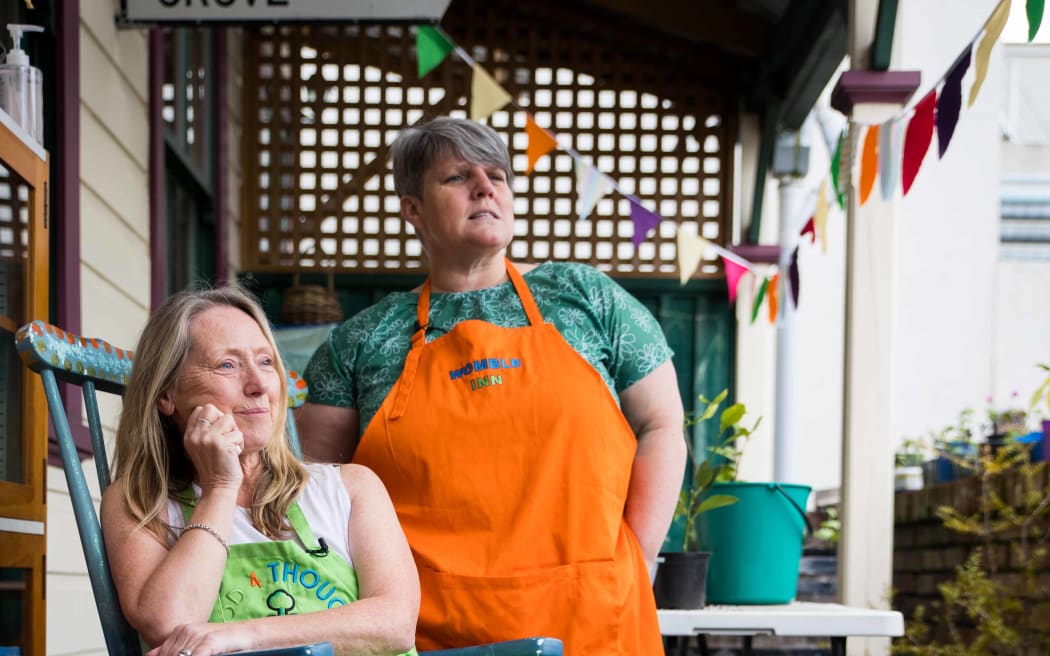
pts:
[280, 577]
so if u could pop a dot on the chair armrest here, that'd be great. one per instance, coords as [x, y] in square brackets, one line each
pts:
[522, 647]
[316, 649]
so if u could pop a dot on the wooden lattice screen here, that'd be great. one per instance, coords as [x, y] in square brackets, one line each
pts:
[323, 104]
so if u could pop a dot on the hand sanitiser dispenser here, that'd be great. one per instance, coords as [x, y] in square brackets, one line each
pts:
[21, 85]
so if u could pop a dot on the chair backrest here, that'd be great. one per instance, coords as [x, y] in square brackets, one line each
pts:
[95, 365]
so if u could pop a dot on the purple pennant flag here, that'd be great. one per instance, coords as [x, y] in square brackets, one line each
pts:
[793, 277]
[643, 219]
[950, 101]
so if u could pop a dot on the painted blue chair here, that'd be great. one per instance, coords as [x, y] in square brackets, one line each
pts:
[97, 366]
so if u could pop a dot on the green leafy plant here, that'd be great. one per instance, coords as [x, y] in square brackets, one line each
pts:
[1041, 396]
[830, 528]
[984, 609]
[912, 451]
[720, 466]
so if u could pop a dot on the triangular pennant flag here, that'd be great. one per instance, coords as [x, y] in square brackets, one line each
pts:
[734, 271]
[793, 277]
[950, 101]
[917, 138]
[591, 186]
[820, 216]
[431, 48]
[836, 164]
[1034, 9]
[486, 95]
[690, 252]
[869, 162]
[541, 142]
[643, 220]
[992, 29]
[889, 157]
[774, 294]
[758, 299]
[809, 229]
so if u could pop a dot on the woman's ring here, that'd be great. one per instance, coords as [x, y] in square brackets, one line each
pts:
[187, 652]
[203, 421]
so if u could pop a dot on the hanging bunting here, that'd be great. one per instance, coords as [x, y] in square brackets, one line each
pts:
[591, 186]
[541, 142]
[793, 277]
[809, 229]
[1034, 10]
[690, 252]
[431, 48]
[774, 292]
[820, 216]
[734, 271]
[643, 220]
[917, 138]
[950, 101]
[836, 169]
[869, 162]
[992, 29]
[758, 299]
[486, 95]
[889, 157]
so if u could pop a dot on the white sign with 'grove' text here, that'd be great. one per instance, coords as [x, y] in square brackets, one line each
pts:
[198, 11]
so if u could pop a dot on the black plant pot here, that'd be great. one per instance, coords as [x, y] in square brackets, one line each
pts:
[681, 580]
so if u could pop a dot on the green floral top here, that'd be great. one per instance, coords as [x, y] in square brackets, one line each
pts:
[357, 366]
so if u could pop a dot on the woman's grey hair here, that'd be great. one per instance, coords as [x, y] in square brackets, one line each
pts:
[416, 148]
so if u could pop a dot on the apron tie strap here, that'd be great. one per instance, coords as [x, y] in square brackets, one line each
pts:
[419, 340]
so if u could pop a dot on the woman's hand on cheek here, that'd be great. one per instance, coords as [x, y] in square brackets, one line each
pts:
[214, 443]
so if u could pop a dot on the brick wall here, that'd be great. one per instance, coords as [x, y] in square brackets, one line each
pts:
[926, 553]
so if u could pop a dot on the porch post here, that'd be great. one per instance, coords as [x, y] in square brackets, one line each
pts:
[866, 545]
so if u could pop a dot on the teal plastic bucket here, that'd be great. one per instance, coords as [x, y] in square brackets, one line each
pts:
[755, 543]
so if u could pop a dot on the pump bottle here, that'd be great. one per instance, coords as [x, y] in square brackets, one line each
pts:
[21, 85]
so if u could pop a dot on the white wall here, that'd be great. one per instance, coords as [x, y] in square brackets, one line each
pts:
[114, 272]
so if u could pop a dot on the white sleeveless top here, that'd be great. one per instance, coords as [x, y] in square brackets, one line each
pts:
[324, 503]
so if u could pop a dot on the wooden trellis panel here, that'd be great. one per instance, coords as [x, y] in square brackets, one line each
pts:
[323, 104]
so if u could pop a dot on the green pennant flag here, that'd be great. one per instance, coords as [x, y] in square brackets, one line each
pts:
[836, 160]
[1034, 9]
[758, 299]
[431, 48]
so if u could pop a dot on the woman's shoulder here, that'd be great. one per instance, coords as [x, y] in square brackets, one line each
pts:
[360, 480]
[565, 272]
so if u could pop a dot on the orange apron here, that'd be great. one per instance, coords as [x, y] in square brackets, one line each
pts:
[508, 462]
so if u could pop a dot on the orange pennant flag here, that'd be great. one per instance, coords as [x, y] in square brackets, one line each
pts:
[541, 142]
[869, 162]
[772, 297]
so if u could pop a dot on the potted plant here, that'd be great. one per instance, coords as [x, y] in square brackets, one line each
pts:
[681, 576]
[755, 543]
[956, 451]
[907, 464]
[1041, 398]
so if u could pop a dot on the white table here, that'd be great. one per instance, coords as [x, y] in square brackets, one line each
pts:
[799, 618]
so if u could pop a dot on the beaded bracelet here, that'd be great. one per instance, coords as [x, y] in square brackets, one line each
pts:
[205, 527]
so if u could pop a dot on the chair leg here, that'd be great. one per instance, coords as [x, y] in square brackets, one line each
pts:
[838, 646]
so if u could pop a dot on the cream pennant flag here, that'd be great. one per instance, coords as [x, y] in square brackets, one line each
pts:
[486, 95]
[591, 186]
[820, 216]
[992, 29]
[690, 251]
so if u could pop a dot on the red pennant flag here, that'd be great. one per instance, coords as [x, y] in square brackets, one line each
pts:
[810, 229]
[917, 138]
[541, 142]
[734, 271]
[869, 162]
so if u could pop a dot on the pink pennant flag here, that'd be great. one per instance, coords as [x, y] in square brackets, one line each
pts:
[917, 138]
[734, 271]
[643, 220]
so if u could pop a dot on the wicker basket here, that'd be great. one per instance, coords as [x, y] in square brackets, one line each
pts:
[305, 304]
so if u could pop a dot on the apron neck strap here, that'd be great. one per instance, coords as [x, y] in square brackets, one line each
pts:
[187, 499]
[532, 311]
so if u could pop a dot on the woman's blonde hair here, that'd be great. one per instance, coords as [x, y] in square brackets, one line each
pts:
[150, 457]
